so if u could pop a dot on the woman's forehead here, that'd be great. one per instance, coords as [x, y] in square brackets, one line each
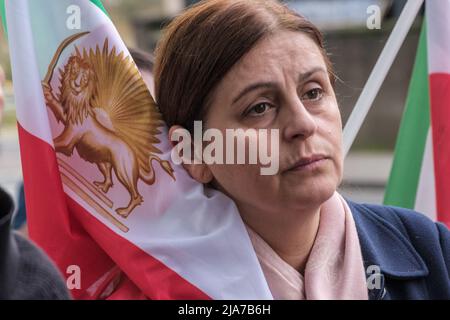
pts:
[286, 52]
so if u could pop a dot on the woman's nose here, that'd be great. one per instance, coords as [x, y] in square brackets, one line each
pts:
[299, 122]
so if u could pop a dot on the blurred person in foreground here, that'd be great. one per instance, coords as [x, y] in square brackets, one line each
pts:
[26, 273]
[19, 222]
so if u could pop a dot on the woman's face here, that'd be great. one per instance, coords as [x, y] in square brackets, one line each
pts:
[290, 91]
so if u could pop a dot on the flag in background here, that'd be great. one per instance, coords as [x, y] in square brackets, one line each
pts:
[420, 175]
[101, 191]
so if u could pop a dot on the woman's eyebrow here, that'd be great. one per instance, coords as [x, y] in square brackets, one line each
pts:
[306, 75]
[258, 85]
[268, 85]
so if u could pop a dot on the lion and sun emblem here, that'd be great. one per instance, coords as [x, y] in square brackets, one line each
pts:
[109, 118]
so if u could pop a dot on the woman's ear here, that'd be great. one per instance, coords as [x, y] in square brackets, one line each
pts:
[199, 172]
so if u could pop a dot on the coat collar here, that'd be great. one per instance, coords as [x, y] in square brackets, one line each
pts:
[9, 253]
[386, 246]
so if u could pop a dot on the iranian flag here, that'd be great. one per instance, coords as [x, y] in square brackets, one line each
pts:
[103, 197]
[420, 176]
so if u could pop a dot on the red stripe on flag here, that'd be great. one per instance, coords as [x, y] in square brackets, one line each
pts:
[155, 279]
[440, 122]
[50, 224]
[72, 236]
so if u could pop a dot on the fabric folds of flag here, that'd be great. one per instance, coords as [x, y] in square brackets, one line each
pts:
[87, 124]
[420, 175]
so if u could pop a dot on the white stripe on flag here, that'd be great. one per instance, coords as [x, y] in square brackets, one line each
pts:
[438, 31]
[426, 194]
[30, 105]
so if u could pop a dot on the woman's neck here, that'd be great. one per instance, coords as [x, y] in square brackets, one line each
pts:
[291, 238]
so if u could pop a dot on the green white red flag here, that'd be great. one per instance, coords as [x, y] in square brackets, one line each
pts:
[420, 176]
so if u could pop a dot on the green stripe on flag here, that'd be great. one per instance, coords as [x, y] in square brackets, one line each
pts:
[410, 147]
[99, 4]
[3, 13]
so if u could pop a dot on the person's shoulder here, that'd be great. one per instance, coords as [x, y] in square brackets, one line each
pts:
[425, 235]
[37, 276]
[400, 218]
[412, 251]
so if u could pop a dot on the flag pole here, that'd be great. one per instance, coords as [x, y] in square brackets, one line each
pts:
[380, 71]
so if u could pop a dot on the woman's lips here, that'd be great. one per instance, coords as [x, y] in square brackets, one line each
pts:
[309, 163]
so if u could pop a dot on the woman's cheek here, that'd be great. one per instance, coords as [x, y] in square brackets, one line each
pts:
[237, 180]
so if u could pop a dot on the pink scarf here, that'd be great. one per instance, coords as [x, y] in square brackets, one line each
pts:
[334, 269]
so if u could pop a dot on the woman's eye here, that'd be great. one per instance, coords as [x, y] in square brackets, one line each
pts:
[314, 94]
[258, 109]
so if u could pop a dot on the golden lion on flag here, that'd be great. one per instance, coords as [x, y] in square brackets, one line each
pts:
[109, 117]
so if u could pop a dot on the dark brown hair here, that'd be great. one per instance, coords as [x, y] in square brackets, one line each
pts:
[202, 44]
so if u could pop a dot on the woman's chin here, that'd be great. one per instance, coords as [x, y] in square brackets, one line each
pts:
[311, 194]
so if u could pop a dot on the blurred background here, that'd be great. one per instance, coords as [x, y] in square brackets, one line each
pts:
[354, 50]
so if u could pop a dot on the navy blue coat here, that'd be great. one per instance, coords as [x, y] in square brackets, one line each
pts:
[411, 251]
